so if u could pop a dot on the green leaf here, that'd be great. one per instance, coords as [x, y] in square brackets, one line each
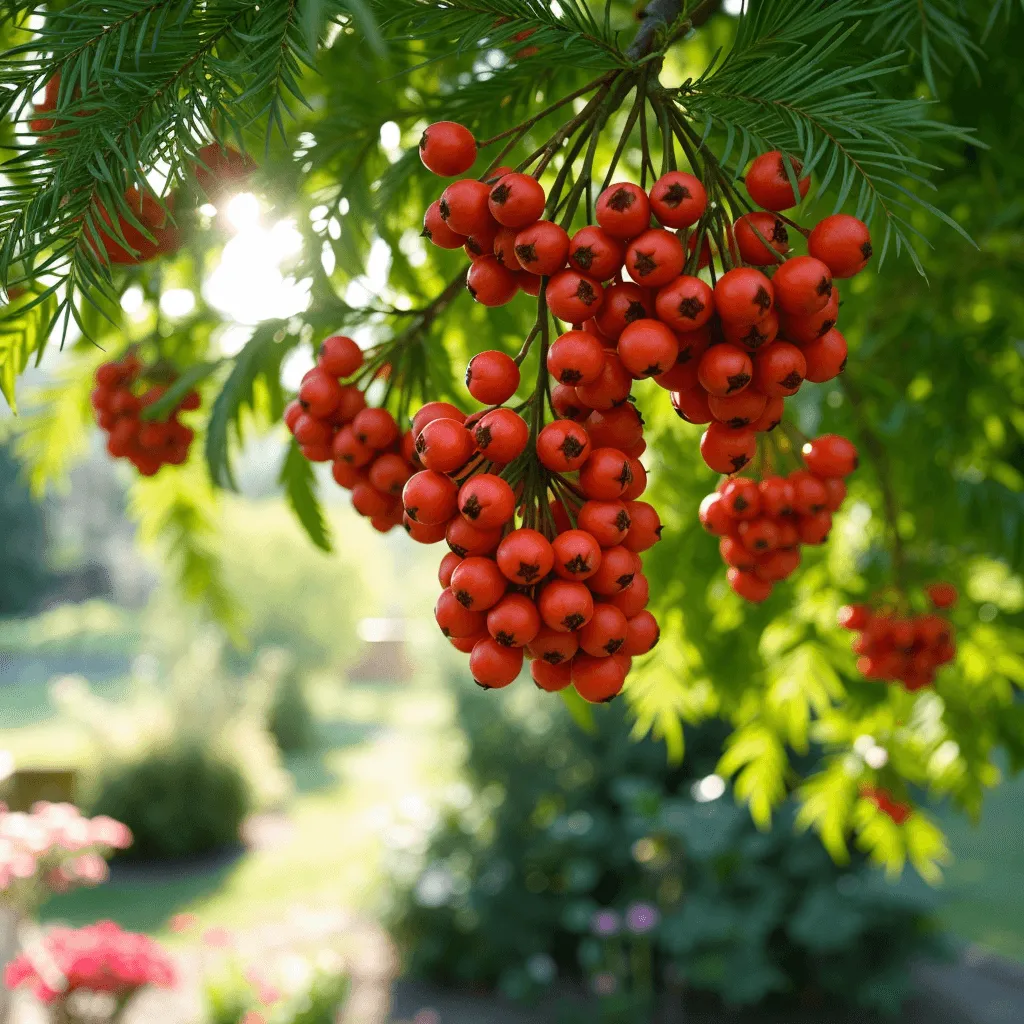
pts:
[161, 409]
[299, 484]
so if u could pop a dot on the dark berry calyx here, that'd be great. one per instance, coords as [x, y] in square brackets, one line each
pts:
[824, 286]
[526, 253]
[793, 379]
[528, 571]
[573, 621]
[500, 194]
[613, 645]
[483, 437]
[635, 311]
[644, 263]
[583, 257]
[505, 639]
[553, 657]
[762, 299]
[739, 461]
[675, 194]
[779, 233]
[464, 598]
[866, 251]
[577, 564]
[571, 447]
[691, 308]
[411, 513]
[737, 382]
[622, 521]
[585, 293]
[568, 376]
[621, 199]
[624, 580]
[474, 246]
[625, 478]
[755, 337]
[472, 508]
[444, 209]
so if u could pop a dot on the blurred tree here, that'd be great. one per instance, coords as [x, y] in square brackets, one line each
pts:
[24, 573]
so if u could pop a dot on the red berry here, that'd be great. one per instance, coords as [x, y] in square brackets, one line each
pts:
[353, 401]
[607, 521]
[777, 496]
[836, 493]
[692, 405]
[620, 427]
[514, 621]
[436, 230]
[646, 529]
[574, 297]
[345, 474]
[779, 369]
[464, 206]
[346, 447]
[447, 149]
[741, 498]
[542, 248]
[634, 598]
[505, 248]
[422, 533]
[308, 430]
[340, 356]
[563, 446]
[449, 564]
[610, 389]
[726, 450]
[435, 411]
[494, 666]
[597, 680]
[525, 556]
[501, 435]
[482, 242]
[803, 329]
[655, 258]
[430, 498]
[487, 501]
[551, 678]
[642, 634]
[516, 200]
[830, 455]
[454, 618]
[714, 516]
[623, 304]
[595, 253]
[370, 502]
[771, 417]
[319, 393]
[854, 616]
[605, 634]
[623, 210]
[724, 370]
[528, 283]
[759, 536]
[647, 348]
[748, 586]
[577, 555]
[618, 567]
[749, 231]
[606, 474]
[803, 285]
[566, 403]
[577, 357]
[552, 646]
[738, 410]
[769, 185]
[685, 304]
[809, 493]
[825, 357]
[565, 606]
[814, 529]
[842, 243]
[639, 483]
[376, 428]
[477, 582]
[743, 296]
[467, 540]
[490, 283]
[678, 199]
[942, 595]
[444, 445]
[492, 377]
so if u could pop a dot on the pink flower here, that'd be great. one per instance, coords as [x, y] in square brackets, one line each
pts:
[182, 922]
[106, 831]
[90, 868]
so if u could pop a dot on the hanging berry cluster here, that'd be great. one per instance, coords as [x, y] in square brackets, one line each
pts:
[762, 522]
[905, 648]
[120, 400]
[331, 422]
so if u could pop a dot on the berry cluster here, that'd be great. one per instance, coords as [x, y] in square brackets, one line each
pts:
[562, 586]
[907, 649]
[332, 423]
[100, 957]
[763, 523]
[119, 399]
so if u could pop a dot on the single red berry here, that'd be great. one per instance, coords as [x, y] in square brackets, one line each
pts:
[726, 450]
[623, 210]
[567, 404]
[836, 493]
[803, 329]
[577, 554]
[501, 435]
[370, 502]
[803, 285]
[353, 401]
[825, 357]
[528, 283]
[448, 565]
[647, 348]
[678, 199]
[551, 678]
[623, 304]
[553, 646]
[444, 445]
[542, 248]
[340, 356]
[751, 336]
[777, 565]
[741, 498]
[714, 515]
[516, 200]
[779, 369]
[809, 494]
[683, 376]
[777, 496]
[610, 389]
[748, 586]
[454, 618]
[574, 297]
[642, 634]
[655, 258]
[490, 283]
[942, 595]
[345, 474]
[346, 447]
[525, 556]
[464, 206]
[563, 446]
[646, 527]
[482, 242]
[292, 411]
[422, 533]
[376, 428]
[514, 621]
[738, 410]
[607, 521]
[769, 184]
[771, 417]
[597, 680]
[447, 149]
[595, 253]
[435, 411]
[759, 536]
[505, 248]
[577, 357]
[436, 230]
[308, 430]
[830, 455]
[638, 484]
[389, 473]
[477, 582]
[494, 666]
[814, 529]
[492, 377]
[606, 474]
[685, 304]
[753, 230]
[319, 393]
[605, 634]
[735, 554]
[743, 296]
[487, 501]
[618, 567]
[565, 605]
[725, 370]
[854, 616]
[692, 405]
[430, 498]
[842, 243]
[621, 427]
[467, 540]
[633, 600]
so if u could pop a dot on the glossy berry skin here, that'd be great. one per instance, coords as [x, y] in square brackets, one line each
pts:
[678, 199]
[490, 283]
[577, 357]
[620, 427]
[574, 297]
[436, 230]
[551, 678]
[494, 666]
[685, 304]
[339, 356]
[447, 149]
[749, 231]
[376, 428]
[803, 285]
[319, 393]
[749, 586]
[771, 417]
[565, 605]
[646, 527]
[724, 370]
[482, 243]
[594, 252]
[605, 634]
[444, 445]
[814, 529]
[464, 207]
[804, 329]
[477, 582]
[768, 182]
[809, 493]
[504, 248]
[525, 556]
[553, 647]
[825, 357]
[597, 680]
[739, 410]
[501, 435]
[486, 501]
[577, 555]
[435, 411]
[623, 304]
[492, 377]
[638, 484]
[623, 210]
[726, 450]
[390, 473]
[616, 572]
[606, 474]
[449, 564]
[647, 348]
[454, 618]
[467, 540]
[842, 243]
[692, 405]
[516, 200]
[642, 634]
[741, 498]
[634, 598]
[830, 455]
[514, 621]
[942, 595]
[777, 496]
[779, 369]
[714, 516]
[759, 536]
[654, 258]
[751, 336]
[683, 376]
[542, 248]
[743, 296]
[610, 389]
[430, 498]
[608, 522]
[563, 446]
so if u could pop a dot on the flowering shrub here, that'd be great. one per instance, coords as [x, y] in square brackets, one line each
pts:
[53, 848]
[98, 958]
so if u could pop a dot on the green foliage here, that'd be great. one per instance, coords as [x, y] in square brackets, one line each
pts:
[179, 800]
[24, 573]
[298, 481]
[560, 824]
[290, 719]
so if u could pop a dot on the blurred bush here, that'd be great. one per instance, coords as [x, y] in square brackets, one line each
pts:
[24, 574]
[565, 834]
[290, 719]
